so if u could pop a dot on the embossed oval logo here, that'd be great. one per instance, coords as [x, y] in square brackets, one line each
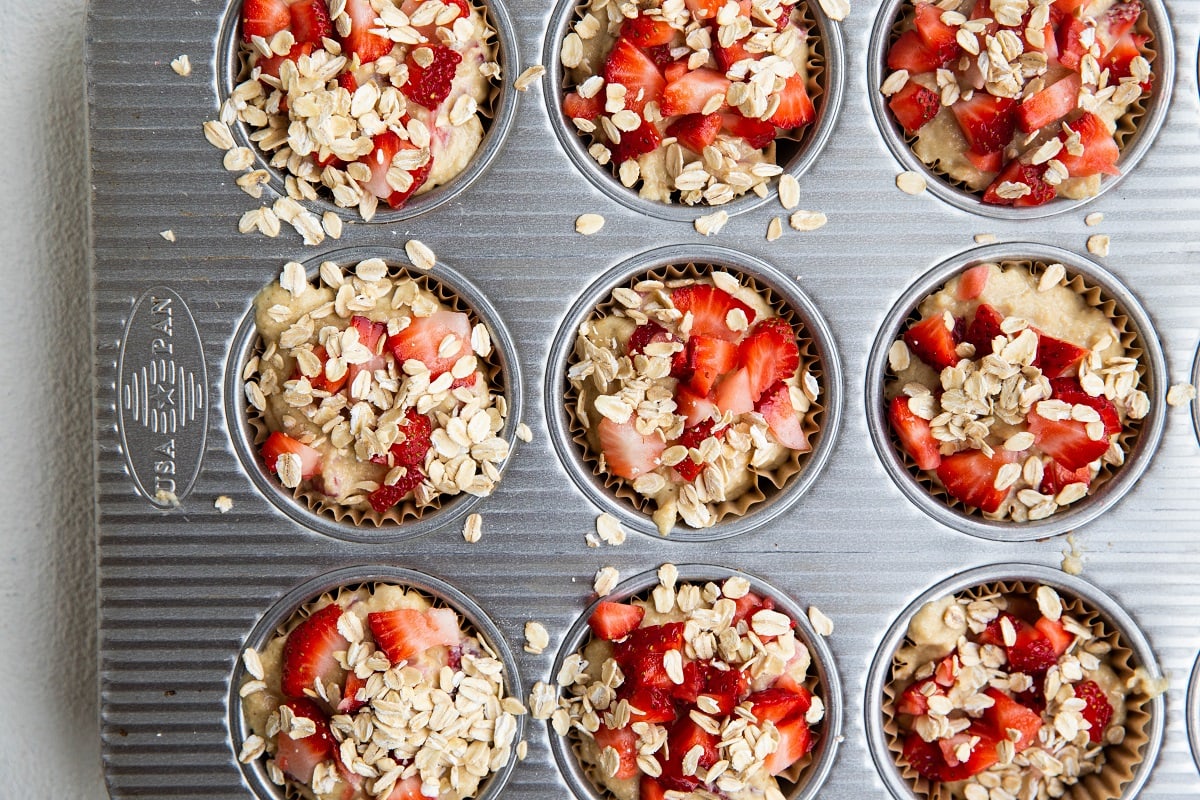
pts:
[162, 404]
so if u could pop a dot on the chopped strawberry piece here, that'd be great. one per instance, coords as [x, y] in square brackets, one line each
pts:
[733, 393]
[575, 106]
[1100, 151]
[709, 307]
[277, 444]
[645, 139]
[694, 408]
[795, 106]
[735, 52]
[675, 70]
[692, 438]
[627, 453]
[1066, 441]
[973, 281]
[727, 687]
[1069, 391]
[348, 82]
[1007, 715]
[776, 407]
[650, 704]
[320, 382]
[690, 93]
[1119, 60]
[651, 789]
[1055, 357]
[983, 755]
[696, 131]
[1060, 639]
[910, 52]
[611, 621]
[310, 21]
[650, 639]
[947, 671]
[684, 735]
[987, 121]
[625, 742]
[407, 789]
[630, 67]
[645, 334]
[704, 9]
[1050, 104]
[795, 742]
[709, 358]
[379, 160]
[914, 105]
[988, 162]
[405, 633]
[1098, 711]
[984, 328]
[1071, 49]
[924, 757]
[361, 42]
[778, 705]
[914, 433]
[271, 66]
[1031, 652]
[913, 699]
[299, 757]
[756, 132]
[939, 37]
[430, 85]
[410, 451]
[933, 342]
[426, 340]
[389, 494]
[264, 18]
[1117, 21]
[769, 353]
[647, 31]
[970, 477]
[1039, 191]
[1055, 478]
[1067, 7]
[746, 606]
[695, 674]
[350, 701]
[308, 653]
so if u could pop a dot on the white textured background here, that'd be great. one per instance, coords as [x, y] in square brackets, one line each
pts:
[49, 740]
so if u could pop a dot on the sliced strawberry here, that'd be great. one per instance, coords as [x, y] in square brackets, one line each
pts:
[910, 52]
[348, 82]
[1066, 441]
[645, 139]
[611, 621]
[1032, 176]
[1100, 151]
[320, 382]
[652, 704]
[795, 106]
[271, 66]
[756, 132]
[625, 742]
[984, 328]
[776, 407]
[684, 735]
[924, 757]
[1055, 357]
[709, 358]
[361, 42]
[933, 342]
[733, 393]
[795, 742]
[627, 453]
[1117, 21]
[777, 705]
[410, 450]
[1055, 478]
[727, 687]
[692, 438]
[1050, 104]
[947, 671]
[575, 106]
[630, 67]
[749, 603]
[428, 340]
[1031, 652]
[385, 147]
[769, 353]
[939, 37]
[643, 335]
[914, 105]
[1069, 391]
[350, 702]
[1067, 7]
[1007, 715]
[430, 85]
[647, 31]
[299, 757]
[264, 18]
[1071, 49]
[914, 433]
[690, 93]
[675, 70]
[279, 443]
[651, 789]
[407, 789]
[696, 131]
[310, 21]
[709, 307]
[728, 56]
[1098, 711]
[650, 639]
[1118, 61]
[704, 9]
[973, 281]
[389, 494]
[308, 653]
[405, 633]
[970, 476]
[987, 121]
[988, 162]
[694, 408]
[1060, 639]
[650, 671]
[983, 755]
[913, 699]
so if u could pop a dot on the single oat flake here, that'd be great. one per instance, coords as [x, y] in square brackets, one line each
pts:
[182, 66]
[1181, 394]
[420, 255]
[587, 224]
[711, 224]
[1098, 245]
[910, 182]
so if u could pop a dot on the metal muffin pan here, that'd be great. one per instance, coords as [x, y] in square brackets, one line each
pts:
[182, 588]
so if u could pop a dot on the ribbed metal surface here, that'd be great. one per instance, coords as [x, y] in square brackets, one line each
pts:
[181, 590]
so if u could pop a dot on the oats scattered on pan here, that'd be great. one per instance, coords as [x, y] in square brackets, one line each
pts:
[528, 77]
[587, 224]
[168, 234]
[774, 229]
[166, 498]
[1072, 561]
[224, 504]
[536, 638]
[1098, 245]
[789, 191]
[420, 255]
[807, 220]
[985, 238]
[524, 433]
[606, 580]
[182, 66]
[836, 10]
[1181, 394]
[1093, 219]
[910, 182]
[609, 529]
[821, 623]
[473, 528]
[711, 224]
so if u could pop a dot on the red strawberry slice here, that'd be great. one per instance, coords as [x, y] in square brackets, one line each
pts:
[1066, 441]
[692, 438]
[709, 307]
[298, 758]
[1119, 60]
[684, 735]
[984, 328]
[1055, 357]
[310, 21]
[748, 604]
[575, 106]
[987, 121]
[389, 494]
[410, 451]
[611, 621]
[1028, 174]
[933, 342]
[989, 162]
[913, 699]
[625, 742]
[777, 705]
[675, 70]
[939, 37]
[379, 160]
[651, 789]
[279, 443]
[1071, 49]
[696, 131]
[427, 339]
[430, 85]
[650, 639]
[361, 42]
[1055, 478]
[704, 9]
[1098, 711]
[913, 106]
[910, 52]
[1032, 652]
[308, 653]
[645, 334]
[694, 408]
[649, 703]
[373, 336]
[690, 93]
[972, 282]
[735, 52]
[727, 687]
[709, 358]
[348, 82]
[776, 407]
[630, 67]
[733, 393]
[983, 755]
[1060, 639]
[647, 31]
[1117, 21]
[924, 757]
[407, 789]
[645, 139]
[650, 671]
[1007, 715]
[1050, 104]
[695, 674]
[405, 633]
[756, 132]
[320, 382]
[769, 353]
[264, 18]
[627, 453]
[970, 476]
[350, 702]
[795, 742]
[795, 106]
[1100, 151]
[271, 66]
[914, 433]
[1069, 391]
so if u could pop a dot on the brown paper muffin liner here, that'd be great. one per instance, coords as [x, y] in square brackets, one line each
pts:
[786, 146]
[1122, 759]
[789, 779]
[1127, 124]
[768, 483]
[362, 514]
[1130, 340]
